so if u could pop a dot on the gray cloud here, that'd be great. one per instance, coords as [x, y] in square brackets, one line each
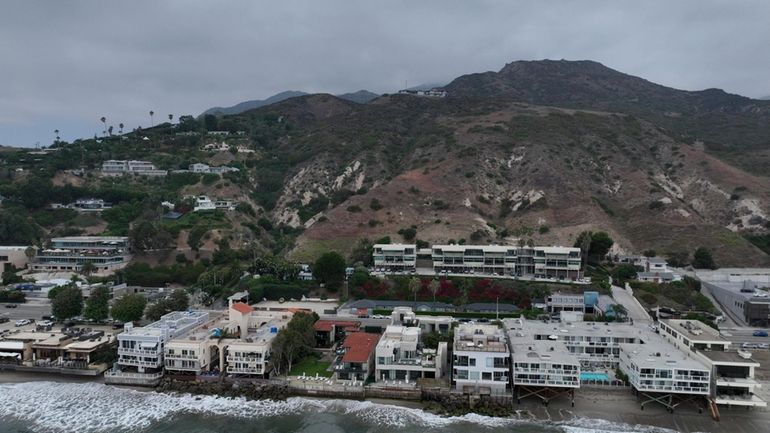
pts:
[65, 64]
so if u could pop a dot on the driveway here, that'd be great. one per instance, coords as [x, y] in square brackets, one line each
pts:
[635, 310]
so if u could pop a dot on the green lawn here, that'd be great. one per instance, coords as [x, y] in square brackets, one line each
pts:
[310, 366]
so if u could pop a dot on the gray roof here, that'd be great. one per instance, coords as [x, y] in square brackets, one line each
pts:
[663, 275]
[416, 306]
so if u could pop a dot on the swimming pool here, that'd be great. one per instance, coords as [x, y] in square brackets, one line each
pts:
[594, 376]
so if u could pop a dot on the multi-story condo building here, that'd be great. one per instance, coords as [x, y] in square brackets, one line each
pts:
[481, 359]
[106, 253]
[544, 369]
[504, 260]
[198, 350]
[141, 349]
[120, 167]
[249, 355]
[732, 371]
[356, 364]
[596, 345]
[402, 356]
[663, 374]
[557, 262]
[395, 257]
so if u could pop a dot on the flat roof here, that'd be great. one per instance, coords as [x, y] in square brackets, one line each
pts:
[557, 250]
[598, 329]
[661, 354]
[730, 356]
[204, 331]
[89, 238]
[394, 246]
[695, 330]
[542, 351]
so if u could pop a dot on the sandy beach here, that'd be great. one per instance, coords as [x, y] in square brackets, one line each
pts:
[591, 406]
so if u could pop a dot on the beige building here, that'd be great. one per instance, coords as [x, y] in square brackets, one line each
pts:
[15, 255]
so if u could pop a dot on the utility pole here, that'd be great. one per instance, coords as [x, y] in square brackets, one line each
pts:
[497, 308]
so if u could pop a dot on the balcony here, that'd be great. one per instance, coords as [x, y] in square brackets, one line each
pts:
[181, 356]
[244, 358]
[138, 352]
[236, 370]
[140, 363]
[737, 382]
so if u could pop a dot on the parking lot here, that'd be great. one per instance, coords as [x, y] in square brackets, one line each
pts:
[34, 308]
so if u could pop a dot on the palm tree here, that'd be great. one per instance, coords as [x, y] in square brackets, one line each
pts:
[109, 130]
[104, 123]
[434, 285]
[170, 118]
[121, 127]
[56, 131]
[620, 311]
[152, 113]
[414, 286]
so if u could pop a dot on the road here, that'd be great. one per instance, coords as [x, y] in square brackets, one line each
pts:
[634, 309]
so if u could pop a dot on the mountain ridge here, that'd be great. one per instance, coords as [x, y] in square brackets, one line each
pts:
[361, 97]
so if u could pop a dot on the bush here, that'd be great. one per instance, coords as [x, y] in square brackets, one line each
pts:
[375, 204]
[354, 208]
[408, 234]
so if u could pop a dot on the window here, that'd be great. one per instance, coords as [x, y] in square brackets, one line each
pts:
[473, 375]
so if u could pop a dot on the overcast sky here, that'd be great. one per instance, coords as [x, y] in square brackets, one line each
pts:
[65, 64]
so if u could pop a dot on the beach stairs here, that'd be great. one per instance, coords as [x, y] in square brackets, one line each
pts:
[714, 409]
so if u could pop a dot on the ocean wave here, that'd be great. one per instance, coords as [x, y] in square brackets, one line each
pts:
[96, 408]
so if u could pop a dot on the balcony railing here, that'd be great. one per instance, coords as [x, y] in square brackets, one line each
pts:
[129, 351]
[180, 356]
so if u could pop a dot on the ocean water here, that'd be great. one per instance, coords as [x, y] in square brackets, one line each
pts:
[96, 408]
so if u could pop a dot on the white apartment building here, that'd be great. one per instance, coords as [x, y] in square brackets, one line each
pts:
[249, 355]
[427, 324]
[596, 345]
[655, 368]
[106, 253]
[732, 371]
[481, 359]
[120, 167]
[395, 257]
[198, 350]
[544, 364]
[400, 355]
[141, 349]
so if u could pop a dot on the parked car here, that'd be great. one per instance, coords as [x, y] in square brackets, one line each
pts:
[11, 305]
[4, 319]
[760, 333]
[22, 322]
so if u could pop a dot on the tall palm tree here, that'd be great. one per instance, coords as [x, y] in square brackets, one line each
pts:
[109, 130]
[56, 131]
[414, 286]
[121, 127]
[171, 118]
[152, 123]
[104, 123]
[434, 285]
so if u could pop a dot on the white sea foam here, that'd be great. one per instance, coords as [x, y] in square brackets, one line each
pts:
[593, 425]
[97, 408]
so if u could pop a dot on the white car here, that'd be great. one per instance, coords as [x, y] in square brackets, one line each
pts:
[22, 322]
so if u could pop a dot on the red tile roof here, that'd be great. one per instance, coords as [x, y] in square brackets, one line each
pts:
[360, 346]
[326, 325]
[242, 308]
